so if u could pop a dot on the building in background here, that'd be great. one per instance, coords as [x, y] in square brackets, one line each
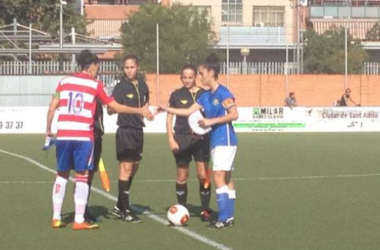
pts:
[359, 16]
[106, 16]
[265, 27]
[255, 30]
[260, 35]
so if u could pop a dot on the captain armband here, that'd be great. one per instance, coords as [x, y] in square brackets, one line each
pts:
[228, 103]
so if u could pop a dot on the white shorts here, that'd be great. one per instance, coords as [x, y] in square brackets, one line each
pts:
[223, 158]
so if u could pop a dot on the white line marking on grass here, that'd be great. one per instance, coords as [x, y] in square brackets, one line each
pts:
[26, 182]
[308, 177]
[281, 178]
[152, 216]
[235, 179]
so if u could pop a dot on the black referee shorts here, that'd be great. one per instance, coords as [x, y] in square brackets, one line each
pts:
[129, 144]
[191, 147]
[98, 148]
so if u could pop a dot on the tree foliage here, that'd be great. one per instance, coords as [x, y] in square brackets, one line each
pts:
[185, 36]
[42, 14]
[374, 33]
[325, 53]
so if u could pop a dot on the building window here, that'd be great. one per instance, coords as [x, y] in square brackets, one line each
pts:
[272, 16]
[232, 11]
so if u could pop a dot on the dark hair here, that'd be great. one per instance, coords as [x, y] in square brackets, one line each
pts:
[189, 66]
[131, 57]
[212, 63]
[349, 90]
[291, 93]
[86, 58]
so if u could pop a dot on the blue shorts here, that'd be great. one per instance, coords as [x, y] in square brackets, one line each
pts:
[74, 153]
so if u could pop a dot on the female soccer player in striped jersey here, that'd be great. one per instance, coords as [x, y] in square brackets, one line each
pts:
[75, 98]
[220, 110]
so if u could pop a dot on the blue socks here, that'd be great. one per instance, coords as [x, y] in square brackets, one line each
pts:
[226, 203]
[222, 200]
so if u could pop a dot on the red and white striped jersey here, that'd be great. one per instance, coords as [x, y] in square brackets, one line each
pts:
[77, 106]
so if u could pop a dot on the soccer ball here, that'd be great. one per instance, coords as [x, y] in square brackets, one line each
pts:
[178, 215]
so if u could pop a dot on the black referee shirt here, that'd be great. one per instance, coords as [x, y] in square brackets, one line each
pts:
[183, 98]
[125, 92]
[98, 120]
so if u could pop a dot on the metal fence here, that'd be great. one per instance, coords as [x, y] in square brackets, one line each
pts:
[371, 68]
[109, 69]
[267, 68]
[49, 67]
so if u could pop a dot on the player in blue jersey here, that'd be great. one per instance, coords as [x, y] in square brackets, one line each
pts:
[220, 110]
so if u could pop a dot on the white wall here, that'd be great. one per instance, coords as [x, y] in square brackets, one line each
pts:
[27, 90]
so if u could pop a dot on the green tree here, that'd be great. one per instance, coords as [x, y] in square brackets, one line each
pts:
[374, 33]
[324, 53]
[42, 14]
[185, 36]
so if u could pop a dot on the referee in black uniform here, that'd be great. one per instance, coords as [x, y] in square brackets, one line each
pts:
[132, 92]
[186, 145]
[98, 148]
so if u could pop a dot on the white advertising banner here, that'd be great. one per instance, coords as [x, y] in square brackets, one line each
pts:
[308, 119]
[18, 120]
[267, 119]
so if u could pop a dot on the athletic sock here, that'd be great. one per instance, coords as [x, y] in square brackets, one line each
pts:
[80, 197]
[89, 193]
[118, 203]
[59, 190]
[181, 191]
[130, 182]
[205, 194]
[222, 200]
[231, 202]
[124, 195]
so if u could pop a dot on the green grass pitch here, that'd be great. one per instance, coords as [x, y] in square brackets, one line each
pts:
[294, 192]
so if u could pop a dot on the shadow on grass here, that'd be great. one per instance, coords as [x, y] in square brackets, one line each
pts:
[141, 209]
[98, 212]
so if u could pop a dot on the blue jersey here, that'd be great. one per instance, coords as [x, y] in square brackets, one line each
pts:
[216, 105]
